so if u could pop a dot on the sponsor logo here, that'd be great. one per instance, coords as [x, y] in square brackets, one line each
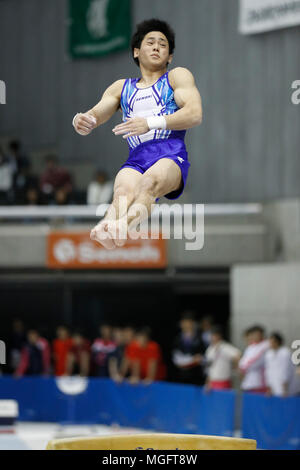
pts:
[144, 98]
[96, 20]
[77, 250]
[72, 385]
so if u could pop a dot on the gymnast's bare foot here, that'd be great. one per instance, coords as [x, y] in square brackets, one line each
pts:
[110, 233]
[101, 234]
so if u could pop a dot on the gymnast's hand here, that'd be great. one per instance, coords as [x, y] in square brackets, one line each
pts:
[84, 123]
[131, 127]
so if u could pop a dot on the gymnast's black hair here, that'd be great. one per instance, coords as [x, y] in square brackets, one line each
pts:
[152, 25]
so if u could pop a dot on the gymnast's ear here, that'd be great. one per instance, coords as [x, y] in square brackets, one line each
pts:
[136, 53]
[170, 58]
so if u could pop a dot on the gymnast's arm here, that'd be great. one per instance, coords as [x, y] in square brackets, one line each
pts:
[188, 99]
[84, 123]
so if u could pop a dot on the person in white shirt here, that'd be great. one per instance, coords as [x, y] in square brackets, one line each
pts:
[100, 190]
[252, 363]
[281, 378]
[221, 358]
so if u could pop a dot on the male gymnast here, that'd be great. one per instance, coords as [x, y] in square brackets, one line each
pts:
[157, 109]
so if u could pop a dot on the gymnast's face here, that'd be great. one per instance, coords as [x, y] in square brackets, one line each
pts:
[154, 51]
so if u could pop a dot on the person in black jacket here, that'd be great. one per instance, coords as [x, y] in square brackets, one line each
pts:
[188, 352]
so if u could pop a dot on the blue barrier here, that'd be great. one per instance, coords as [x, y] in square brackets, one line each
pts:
[166, 407]
[274, 422]
[161, 406]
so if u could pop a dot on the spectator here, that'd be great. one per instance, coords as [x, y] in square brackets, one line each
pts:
[281, 379]
[144, 359]
[17, 343]
[100, 189]
[116, 358]
[221, 357]
[205, 330]
[247, 336]
[35, 356]
[188, 351]
[55, 178]
[33, 196]
[129, 334]
[6, 178]
[78, 358]
[61, 197]
[18, 160]
[102, 347]
[24, 182]
[253, 359]
[62, 345]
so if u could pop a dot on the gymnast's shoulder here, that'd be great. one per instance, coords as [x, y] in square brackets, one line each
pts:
[179, 76]
[115, 89]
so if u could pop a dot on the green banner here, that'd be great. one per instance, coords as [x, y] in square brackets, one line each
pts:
[99, 27]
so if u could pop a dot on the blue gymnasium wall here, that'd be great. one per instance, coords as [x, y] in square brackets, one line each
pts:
[273, 422]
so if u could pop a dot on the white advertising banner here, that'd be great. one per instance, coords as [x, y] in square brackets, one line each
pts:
[258, 16]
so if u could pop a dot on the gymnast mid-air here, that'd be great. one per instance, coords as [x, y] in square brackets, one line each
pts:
[157, 109]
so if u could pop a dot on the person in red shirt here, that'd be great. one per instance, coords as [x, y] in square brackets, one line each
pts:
[55, 181]
[78, 358]
[144, 359]
[61, 347]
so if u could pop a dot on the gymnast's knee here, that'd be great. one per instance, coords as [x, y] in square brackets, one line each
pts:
[150, 185]
[123, 190]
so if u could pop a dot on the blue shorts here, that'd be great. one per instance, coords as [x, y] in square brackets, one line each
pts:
[147, 153]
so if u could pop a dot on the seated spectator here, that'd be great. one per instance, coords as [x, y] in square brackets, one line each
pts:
[144, 359]
[116, 358]
[17, 343]
[101, 349]
[53, 179]
[6, 178]
[61, 347]
[206, 324]
[24, 183]
[100, 190]
[252, 362]
[61, 197]
[17, 158]
[78, 358]
[33, 196]
[35, 356]
[221, 358]
[281, 379]
[188, 352]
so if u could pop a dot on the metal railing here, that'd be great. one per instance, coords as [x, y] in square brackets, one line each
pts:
[90, 212]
